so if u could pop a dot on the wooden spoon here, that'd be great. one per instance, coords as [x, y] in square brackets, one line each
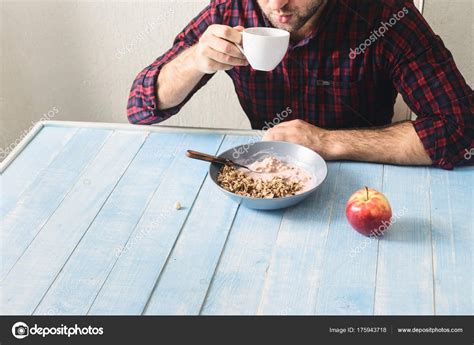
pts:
[214, 159]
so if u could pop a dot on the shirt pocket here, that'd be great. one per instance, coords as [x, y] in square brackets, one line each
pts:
[344, 104]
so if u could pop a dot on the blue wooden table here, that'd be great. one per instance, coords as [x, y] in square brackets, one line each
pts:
[89, 227]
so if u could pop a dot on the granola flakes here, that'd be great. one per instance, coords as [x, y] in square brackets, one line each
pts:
[240, 183]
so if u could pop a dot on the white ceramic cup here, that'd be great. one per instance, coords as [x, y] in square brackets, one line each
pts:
[264, 48]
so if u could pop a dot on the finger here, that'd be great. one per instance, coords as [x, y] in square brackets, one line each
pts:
[289, 123]
[224, 59]
[219, 66]
[272, 135]
[239, 28]
[267, 137]
[226, 47]
[291, 134]
[227, 33]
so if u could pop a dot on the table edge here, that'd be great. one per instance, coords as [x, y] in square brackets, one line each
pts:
[21, 145]
[115, 126]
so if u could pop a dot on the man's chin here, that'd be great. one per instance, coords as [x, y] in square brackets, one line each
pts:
[287, 26]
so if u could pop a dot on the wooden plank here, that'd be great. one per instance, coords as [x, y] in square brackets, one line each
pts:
[38, 202]
[240, 276]
[349, 266]
[76, 287]
[404, 283]
[45, 146]
[184, 282]
[452, 224]
[293, 275]
[35, 271]
[131, 282]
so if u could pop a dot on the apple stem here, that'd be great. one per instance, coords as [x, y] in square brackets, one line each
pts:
[367, 191]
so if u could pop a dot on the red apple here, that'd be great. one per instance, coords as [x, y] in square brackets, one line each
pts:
[369, 212]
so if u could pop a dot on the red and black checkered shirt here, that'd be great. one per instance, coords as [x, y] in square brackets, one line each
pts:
[345, 74]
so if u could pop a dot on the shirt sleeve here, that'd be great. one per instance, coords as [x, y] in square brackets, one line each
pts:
[142, 103]
[424, 73]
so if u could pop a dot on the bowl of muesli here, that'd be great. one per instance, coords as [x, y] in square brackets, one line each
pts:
[281, 174]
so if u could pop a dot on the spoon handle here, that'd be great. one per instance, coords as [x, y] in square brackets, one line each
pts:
[205, 157]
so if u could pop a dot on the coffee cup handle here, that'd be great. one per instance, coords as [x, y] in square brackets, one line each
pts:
[240, 48]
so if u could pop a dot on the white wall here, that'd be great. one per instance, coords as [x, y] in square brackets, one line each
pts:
[454, 22]
[77, 59]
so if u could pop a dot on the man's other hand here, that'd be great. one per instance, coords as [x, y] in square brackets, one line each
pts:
[302, 133]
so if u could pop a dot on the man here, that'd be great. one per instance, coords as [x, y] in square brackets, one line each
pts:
[346, 63]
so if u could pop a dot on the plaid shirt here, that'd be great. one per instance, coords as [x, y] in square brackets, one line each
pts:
[345, 74]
